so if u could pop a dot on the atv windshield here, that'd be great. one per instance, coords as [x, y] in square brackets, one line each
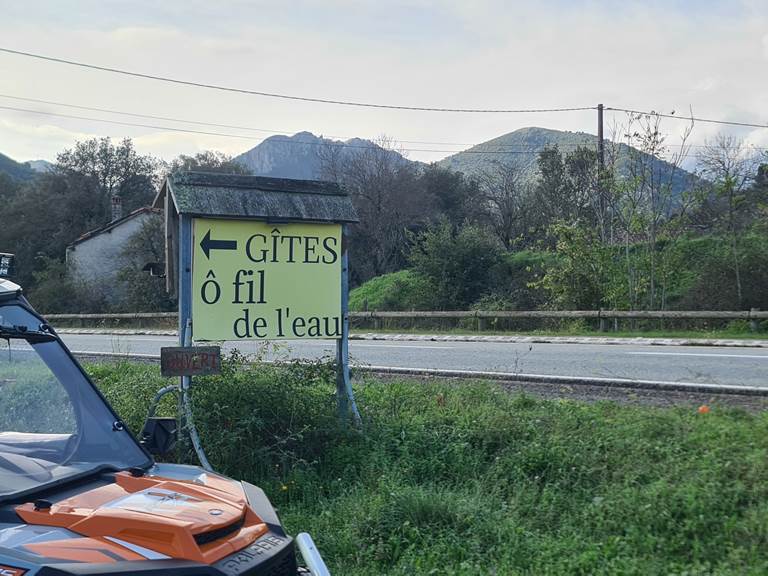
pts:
[54, 426]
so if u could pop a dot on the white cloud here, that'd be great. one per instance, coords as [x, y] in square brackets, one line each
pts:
[34, 141]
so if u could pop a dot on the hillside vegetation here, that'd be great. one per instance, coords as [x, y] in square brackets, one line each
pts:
[702, 281]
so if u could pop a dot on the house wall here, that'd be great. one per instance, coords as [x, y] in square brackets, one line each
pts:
[96, 261]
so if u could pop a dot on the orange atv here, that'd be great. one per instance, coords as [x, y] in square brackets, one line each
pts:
[80, 495]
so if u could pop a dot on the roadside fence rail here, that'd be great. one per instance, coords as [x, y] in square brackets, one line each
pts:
[477, 319]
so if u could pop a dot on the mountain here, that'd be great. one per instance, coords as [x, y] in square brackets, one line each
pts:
[521, 148]
[298, 156]
[14, 169]
[40, 166]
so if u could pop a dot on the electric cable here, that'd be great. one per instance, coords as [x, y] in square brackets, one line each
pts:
[289, 96]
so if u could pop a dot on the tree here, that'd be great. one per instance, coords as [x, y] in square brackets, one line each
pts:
[581, 277]
[452, 194]
[48, 213]
[145, 293]
[45, 216]
[385, 191]
[731, 167]
[116, 169]
[504, 195]
[567, 189]
[460, 266]
[646, 210]
[553, 191]
[207, 161]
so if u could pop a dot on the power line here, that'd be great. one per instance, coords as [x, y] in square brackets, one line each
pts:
[287, 96]
[483, 148]
[369, 104]
[241, 136]
[689, 118]
[136, 115]
[281, 132]
[217, 125]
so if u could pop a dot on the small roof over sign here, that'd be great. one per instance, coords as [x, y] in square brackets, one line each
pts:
[213, 195]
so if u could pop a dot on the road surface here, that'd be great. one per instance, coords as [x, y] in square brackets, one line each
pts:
[709, 365]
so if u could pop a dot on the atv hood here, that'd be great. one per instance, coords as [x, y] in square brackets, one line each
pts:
[147, 517]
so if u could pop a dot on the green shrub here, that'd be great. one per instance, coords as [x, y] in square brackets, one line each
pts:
[255, 420]
[403, 290]
[459, 266]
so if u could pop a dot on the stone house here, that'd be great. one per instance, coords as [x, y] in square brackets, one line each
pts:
[96, 258]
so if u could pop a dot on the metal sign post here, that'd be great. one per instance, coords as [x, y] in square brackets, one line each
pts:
[344, 394]
[185, 332]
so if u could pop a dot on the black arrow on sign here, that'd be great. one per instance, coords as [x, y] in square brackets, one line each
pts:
[207, 244]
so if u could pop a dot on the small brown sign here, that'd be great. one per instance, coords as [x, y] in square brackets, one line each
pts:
[190, 361]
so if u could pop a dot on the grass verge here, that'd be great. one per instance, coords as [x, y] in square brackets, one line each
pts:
[468, 479]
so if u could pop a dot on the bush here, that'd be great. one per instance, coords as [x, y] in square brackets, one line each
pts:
[458, 266]
[256, 421]
[714, 285]
[54, 290]
[403, 290]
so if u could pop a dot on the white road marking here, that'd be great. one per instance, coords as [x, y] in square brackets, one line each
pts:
[353, 344]
[66, 337]
[700, 354]
[356, 345]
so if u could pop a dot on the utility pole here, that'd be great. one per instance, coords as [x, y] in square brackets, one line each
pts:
[600, 143]
[601, 169]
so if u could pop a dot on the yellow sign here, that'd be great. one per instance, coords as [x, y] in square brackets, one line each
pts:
[258, 281]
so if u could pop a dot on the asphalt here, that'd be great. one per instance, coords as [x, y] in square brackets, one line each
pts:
[696, 364]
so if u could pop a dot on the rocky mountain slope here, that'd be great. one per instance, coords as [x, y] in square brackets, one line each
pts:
[520, 149]
[298, 156]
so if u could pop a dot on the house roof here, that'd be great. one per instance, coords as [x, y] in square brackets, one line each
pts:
[212, 195]
[114, 224]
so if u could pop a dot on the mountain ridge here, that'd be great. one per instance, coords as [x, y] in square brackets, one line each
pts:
[297, 156]
[16, 170]
[520, 149]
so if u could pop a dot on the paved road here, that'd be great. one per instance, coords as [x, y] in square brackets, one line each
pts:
[740, 366]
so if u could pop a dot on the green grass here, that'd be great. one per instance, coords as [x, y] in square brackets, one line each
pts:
[469, 479]
[401, 290]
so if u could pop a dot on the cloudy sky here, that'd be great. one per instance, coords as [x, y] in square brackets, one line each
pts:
[708, 55]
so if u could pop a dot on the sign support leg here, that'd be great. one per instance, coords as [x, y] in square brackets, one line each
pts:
[185, 421]
[185, 319]
[344, 393]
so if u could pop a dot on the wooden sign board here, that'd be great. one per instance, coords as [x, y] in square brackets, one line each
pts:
[190, 361]
[257, 281]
